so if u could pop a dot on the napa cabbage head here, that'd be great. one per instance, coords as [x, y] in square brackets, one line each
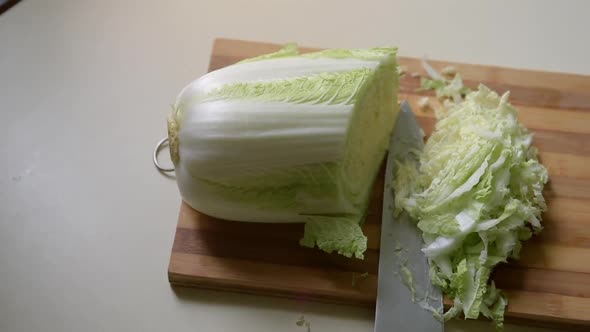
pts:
[288, 137]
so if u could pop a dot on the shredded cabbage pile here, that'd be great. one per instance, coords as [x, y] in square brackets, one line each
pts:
[476, 194]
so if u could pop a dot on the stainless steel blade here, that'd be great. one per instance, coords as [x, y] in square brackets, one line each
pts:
[406, 299]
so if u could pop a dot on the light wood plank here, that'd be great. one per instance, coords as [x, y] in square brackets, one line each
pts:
[550, 307]
[555, 257]
[278, 279]
[519, 77]
[534, 118]
[511, 277]
[567, 187]
[565, 165]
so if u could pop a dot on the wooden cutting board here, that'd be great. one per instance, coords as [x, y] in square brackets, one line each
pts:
[549, 285]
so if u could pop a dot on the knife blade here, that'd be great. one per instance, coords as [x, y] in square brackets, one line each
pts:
[406, 299]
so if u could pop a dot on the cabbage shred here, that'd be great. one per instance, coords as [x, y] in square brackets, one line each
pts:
[476, 193]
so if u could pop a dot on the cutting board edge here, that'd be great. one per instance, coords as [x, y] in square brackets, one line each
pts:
[179, 281]
[523, 318]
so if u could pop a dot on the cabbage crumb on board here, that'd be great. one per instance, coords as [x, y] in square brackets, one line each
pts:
[476, 193]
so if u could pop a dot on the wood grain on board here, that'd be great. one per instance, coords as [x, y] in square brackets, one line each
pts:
[549, 285]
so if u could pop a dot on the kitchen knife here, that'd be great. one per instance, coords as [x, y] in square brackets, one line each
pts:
[406, 299]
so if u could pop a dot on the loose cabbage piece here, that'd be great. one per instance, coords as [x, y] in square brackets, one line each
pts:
[286, 137]
[476, 193]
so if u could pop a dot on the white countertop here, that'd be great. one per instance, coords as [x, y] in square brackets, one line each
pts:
[86, 222]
